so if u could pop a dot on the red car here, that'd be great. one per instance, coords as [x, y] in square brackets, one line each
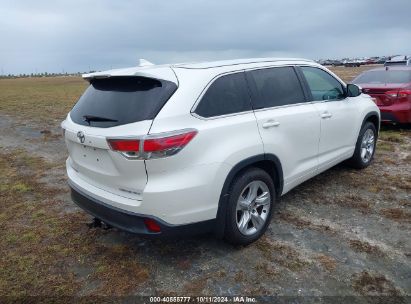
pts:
[391, 88]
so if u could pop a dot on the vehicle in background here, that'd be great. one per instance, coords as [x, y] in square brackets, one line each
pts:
[391, 88]
[351, 63]
[372, 60]
[336, 62]
[330, 62]
[398, 60]
[381, 60]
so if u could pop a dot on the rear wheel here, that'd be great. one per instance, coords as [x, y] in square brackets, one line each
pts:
[365, 147]
[250, 207]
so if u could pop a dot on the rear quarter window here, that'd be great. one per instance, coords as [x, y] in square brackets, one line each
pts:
[226, 95]
[117, 101]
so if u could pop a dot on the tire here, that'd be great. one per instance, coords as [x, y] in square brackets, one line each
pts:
[255, 210]
[364, 149]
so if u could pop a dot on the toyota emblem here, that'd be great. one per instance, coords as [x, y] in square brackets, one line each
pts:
[81, 137]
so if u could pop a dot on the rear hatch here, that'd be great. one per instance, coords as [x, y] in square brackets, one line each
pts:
[113, 107]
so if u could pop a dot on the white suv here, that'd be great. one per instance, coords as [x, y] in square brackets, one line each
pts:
[173, 149]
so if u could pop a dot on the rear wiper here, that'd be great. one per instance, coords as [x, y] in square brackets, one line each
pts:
[89, 118]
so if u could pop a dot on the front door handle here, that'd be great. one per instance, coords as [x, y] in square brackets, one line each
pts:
[270, 124]
[326, 115]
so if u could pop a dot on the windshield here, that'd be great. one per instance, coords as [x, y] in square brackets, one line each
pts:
[383, 76]
[117, 101]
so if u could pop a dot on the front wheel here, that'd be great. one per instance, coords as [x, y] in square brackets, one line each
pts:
[250, 207]
[365, 147]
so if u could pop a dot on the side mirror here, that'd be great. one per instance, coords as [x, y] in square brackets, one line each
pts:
[353, 90]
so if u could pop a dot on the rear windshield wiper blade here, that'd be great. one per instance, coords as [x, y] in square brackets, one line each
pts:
[89, 118]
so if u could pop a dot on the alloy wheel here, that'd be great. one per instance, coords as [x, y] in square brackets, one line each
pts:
[253, 207]
[367, 145]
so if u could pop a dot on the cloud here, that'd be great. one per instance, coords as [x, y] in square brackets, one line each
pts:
[76, 35]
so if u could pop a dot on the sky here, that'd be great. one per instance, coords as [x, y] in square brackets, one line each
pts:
[78, 36]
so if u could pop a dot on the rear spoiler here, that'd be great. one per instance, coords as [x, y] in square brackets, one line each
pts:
[154, 72]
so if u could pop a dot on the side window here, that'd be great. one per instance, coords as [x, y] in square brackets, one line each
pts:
[276, 87]
[322, 85]
[226, 95]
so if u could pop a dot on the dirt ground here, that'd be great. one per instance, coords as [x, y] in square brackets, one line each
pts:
[343, 233]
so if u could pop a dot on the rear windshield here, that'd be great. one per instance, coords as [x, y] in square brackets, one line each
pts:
[117, 101]
[383, 76]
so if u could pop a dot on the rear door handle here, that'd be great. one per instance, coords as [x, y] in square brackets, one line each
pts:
[326, 115]
[270, 124]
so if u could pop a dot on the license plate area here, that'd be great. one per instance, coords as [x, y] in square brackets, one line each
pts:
[92, 158]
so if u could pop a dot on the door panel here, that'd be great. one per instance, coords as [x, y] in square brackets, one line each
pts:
[336, 113]
[292, 134]
[338, 135]
[289, 125]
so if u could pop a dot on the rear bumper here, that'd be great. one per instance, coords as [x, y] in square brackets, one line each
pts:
[399, 113]
[177, 197]
[133, 222]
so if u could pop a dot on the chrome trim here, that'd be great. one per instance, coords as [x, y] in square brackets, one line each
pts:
[241, 63]
[221, 116]
[169, 133]
[287, 106]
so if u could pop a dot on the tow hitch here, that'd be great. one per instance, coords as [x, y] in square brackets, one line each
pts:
[97, 223]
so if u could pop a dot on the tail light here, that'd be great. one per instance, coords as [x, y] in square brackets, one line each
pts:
[153, 146]
[128, 147]
[168, 145]
[393, 94]
[398, 94]
[404, 93]
[124, 145]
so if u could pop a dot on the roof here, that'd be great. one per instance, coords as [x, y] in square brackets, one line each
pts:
[223, 63]
[165, 72]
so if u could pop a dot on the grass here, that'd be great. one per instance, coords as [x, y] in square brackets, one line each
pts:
[392, 136]
[397, 214]
[39, 246]
[300, 223]
[371, 284]
[329, 263]
[362, 246]
[385, 146]
[348, 74]
[282, 253]
[43, 100]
